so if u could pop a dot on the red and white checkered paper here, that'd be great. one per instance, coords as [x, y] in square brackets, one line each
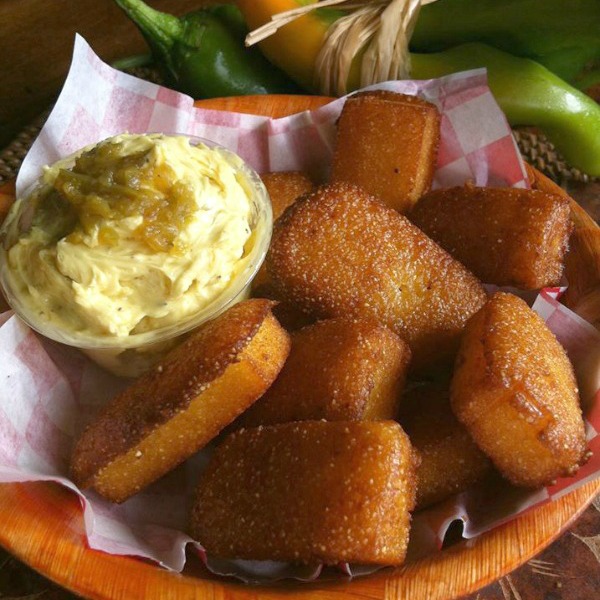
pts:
[50, 391]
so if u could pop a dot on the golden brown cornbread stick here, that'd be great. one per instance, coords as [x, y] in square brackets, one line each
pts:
[290, 316]
[387, 143]
[337, 370]
[450, 459]
[340, 252]
[505, 236]
[309, 491]
[283, 187]
[515, 392]
[178, 407]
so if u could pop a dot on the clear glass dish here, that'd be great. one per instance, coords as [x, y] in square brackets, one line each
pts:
[131, 355]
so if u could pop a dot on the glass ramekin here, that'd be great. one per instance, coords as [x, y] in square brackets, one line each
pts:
[131, 355]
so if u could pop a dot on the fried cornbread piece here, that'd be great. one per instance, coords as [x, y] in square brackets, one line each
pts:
[505, 236]
[340, 252]
[450, 459]
[387, 143]
[178, 407]
[309, 491]
[283, 187]
[515, 392]
[289, 315]
[337, 370]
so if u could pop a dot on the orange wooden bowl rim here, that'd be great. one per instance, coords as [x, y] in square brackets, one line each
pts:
[41, 523]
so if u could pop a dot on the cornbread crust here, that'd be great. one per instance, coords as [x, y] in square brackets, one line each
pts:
[309, 491]
[337, 370]
[176, 408]
[515, 392]
[340, 252]
[450, 459]
[387, 143]
[284, 187]
[506, 236]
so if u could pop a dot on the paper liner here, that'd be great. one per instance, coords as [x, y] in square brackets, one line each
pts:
[50, 391]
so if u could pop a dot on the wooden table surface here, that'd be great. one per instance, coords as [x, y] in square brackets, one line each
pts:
[36, 39]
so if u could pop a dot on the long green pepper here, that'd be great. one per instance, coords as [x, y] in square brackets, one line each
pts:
[202, 53]
[529, 94]
[562, 35]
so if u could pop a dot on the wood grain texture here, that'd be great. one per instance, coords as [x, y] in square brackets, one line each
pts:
[42, 523]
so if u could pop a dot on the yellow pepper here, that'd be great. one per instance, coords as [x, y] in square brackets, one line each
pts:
[293, 48]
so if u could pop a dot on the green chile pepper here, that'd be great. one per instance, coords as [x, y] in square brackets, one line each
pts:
[529, 94]
[203, 54]
[231, 16]
[562, 35]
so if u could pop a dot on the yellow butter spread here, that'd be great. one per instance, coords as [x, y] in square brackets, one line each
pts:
[139, 233]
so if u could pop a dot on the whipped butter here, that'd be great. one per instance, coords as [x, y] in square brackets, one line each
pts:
[133, 235]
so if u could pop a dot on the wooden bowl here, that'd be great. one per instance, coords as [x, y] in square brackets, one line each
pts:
[42, 524]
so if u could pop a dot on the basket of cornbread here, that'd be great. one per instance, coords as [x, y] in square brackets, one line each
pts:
[371, 376]
[316, 453]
